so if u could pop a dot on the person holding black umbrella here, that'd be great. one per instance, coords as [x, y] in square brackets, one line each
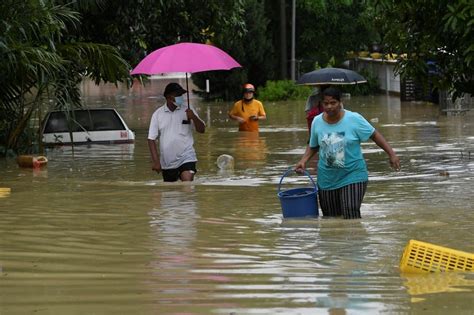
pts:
[314, 105]
[342, 171]
[173, 124]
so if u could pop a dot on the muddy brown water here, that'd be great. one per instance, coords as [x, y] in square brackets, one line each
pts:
[100, 233]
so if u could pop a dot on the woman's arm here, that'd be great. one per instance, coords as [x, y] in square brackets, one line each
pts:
[383, 144]
[308, 154]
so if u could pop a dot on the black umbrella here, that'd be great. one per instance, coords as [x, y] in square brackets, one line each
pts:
[331, 76]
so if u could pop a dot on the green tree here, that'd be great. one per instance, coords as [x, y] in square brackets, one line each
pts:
[440, 31]
[41, 62]
[139, 27]
[327, 30]
[253, 50]
[249, 30]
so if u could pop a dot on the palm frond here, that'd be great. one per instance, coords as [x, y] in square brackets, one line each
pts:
[102, 63]
[39, 58]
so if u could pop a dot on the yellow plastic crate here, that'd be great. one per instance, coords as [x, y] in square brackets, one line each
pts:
[4, 192]
[421, 257]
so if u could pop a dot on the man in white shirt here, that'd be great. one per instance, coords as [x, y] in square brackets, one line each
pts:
[173, 124]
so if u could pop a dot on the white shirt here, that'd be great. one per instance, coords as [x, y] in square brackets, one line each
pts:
[176, 139]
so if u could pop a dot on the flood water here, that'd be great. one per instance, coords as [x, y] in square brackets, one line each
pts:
[98, 232]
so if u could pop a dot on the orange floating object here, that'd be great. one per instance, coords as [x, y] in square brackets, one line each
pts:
[4, 192]
[30, 161]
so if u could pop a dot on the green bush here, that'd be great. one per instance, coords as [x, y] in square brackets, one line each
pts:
[283, 90]
[287, 90]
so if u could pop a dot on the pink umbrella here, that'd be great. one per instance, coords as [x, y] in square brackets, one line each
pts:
[185, 57]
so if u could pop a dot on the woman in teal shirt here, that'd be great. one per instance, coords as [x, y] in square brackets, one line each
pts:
[342, 171]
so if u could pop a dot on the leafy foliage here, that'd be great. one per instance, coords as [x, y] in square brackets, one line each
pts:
[440, 31]
[283, 90]
[253, 50]
[41, 61]
[326, 30]
[287, 90]
[139, 27]
[249, 30]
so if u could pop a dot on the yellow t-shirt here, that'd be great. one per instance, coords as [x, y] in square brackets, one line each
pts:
[245, 110]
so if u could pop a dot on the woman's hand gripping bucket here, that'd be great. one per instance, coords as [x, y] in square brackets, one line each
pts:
[299, 202]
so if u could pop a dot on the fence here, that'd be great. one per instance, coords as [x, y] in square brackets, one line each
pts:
[457, 107]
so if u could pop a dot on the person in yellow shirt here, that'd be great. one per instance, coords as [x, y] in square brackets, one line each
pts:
[248, 111]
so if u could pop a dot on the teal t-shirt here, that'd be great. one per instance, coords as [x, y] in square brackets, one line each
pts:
[340, 155]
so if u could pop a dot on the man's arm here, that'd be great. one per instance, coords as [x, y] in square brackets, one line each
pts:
[198, 123]
[235, 117]
[155, 158]
[238, 118]
[261, 113]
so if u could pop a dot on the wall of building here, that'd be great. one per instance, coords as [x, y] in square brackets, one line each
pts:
[384, 70]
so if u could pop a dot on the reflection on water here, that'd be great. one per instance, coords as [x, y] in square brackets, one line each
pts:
[250, 150]
[421, 284]
[172, 226]
[98, 231]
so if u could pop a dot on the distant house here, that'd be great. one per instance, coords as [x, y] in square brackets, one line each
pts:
[409, 89]
[384, 70]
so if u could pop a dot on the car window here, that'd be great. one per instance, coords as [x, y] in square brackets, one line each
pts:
[84, 120]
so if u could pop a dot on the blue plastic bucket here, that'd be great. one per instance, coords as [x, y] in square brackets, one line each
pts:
[299, 202]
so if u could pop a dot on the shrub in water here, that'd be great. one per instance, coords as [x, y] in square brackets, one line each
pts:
[283, 90]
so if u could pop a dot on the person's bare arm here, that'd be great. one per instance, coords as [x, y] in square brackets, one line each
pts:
[238, 118]
[383, 144]
[198, 123]
[261, 114]
[308, 154]
[155, 158]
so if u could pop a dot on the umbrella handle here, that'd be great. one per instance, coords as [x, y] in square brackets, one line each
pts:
[187, 121]
[187, 88]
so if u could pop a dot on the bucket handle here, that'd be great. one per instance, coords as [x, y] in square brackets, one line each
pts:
[291, 170]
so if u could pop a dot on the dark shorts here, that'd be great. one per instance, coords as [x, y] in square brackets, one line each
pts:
[174, 174]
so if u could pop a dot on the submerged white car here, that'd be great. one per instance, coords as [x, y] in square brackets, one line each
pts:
[102, 125]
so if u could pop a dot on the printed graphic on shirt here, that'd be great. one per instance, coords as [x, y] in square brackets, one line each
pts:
[334, 149]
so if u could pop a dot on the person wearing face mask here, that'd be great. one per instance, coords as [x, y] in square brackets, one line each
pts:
[248, 111]
[173, 125]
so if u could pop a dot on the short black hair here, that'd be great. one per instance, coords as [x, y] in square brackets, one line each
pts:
[333, 92]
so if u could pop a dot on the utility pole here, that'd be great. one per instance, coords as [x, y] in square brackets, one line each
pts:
[283, 54]
[293, 41]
